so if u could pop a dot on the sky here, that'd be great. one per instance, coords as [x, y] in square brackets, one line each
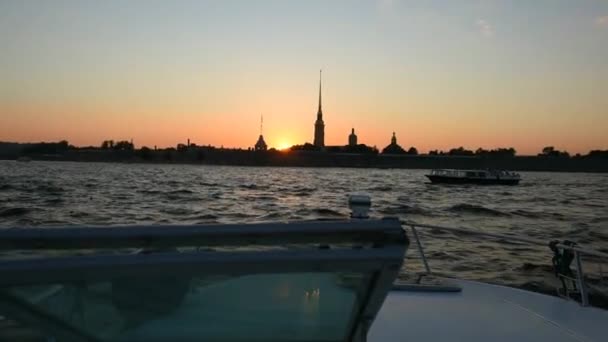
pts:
[441, 74]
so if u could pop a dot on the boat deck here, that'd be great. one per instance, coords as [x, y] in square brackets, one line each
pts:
[239, 289]
[484, 312]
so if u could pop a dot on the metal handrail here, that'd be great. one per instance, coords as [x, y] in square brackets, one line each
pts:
[576, 250]
[139, 236]
[508, 237]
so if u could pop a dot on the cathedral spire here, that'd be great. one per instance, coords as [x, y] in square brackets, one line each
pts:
[320, 112]
[260, 145]
[319, 140]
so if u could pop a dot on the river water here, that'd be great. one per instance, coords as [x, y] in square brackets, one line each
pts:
[544, 206]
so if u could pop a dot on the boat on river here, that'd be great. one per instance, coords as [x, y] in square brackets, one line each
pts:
[295, 281]
[483, 177]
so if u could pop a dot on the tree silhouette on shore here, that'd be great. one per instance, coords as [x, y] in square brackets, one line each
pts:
[550, 151]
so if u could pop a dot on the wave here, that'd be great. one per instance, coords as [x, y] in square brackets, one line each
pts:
[301, 192]
[238, 215]
[540, 199]
[15, 211]
[206, 217]
[51, 189]
[248, 186]
[149, 192]
[593, 205]
[476, 209]
[79, 214]
[464, 268]
[538, 214]
[54, 201]
[271, 216]
[401, 209]
[326, 212]
[182, 199]
[509, 242]
[526, 213]
[181, 191]
[529, 267]
[216, 195]
[182, 195]
[440, 255]
[176, 211]
[267, 198]
[599, 219]
[598, 236]
[380, 188]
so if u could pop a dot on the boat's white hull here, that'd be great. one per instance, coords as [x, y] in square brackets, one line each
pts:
[484, 312]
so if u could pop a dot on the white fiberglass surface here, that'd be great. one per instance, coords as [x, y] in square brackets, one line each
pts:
[483, 312]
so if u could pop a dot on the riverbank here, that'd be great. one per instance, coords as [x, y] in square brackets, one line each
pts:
[214, 156]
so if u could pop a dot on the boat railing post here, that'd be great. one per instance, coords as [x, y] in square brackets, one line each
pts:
[421, 250]
[580, 279]
[359, 205]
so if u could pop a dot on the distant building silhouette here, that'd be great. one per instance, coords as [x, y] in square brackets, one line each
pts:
[260, 145]
[393, 148]
[352, 138]
[319, 140]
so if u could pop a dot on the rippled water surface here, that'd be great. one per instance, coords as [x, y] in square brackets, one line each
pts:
[544, 206]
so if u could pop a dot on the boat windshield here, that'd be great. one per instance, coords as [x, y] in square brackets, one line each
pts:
[302, 306]
[316, 281]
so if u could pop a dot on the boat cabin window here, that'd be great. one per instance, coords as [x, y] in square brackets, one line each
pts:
[301, 306]
[308, 281]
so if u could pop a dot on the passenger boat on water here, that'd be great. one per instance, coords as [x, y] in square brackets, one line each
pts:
[298, 281]
[484, 177]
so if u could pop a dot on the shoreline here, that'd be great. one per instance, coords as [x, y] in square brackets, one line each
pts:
[324, 159]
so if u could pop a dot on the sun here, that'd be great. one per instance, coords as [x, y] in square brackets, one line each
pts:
[283, 145]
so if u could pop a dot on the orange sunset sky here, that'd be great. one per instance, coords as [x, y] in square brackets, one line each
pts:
[441, 75]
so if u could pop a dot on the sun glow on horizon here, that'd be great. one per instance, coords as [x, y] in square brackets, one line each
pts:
[283, 145]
